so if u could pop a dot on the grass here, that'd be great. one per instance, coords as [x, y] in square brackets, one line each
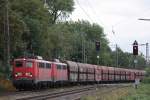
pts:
[126, 93]
[142, 93]
[116, 94]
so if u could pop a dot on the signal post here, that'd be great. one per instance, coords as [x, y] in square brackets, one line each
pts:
[135, 52]
[97, 46]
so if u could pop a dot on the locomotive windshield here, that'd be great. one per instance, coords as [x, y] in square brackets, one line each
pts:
[29, 64]
[19, 64]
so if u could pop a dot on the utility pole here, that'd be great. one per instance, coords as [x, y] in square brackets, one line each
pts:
[147, 53]
[83, 49]
[116, 55]
[7, 35]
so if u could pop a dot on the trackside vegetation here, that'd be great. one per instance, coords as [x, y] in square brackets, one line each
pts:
[141, 93]
[127, 93]
[116, 94]
[6, 85]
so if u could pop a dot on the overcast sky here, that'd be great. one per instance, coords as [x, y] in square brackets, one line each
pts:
[122, 15]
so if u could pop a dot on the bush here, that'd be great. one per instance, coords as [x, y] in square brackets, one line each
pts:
[5, 72]
[6, 85]
[146, 80]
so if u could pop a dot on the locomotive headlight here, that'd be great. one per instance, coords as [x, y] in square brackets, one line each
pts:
[18, 74]
[29, 74]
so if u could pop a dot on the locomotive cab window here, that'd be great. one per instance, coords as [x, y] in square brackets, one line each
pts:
[29, 64]
[19, 64]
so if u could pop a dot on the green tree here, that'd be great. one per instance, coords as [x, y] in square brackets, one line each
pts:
[35, 18]
[17, 27]
[59, 9]
[85, 36]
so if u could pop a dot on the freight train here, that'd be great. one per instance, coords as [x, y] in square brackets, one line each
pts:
[38, 73]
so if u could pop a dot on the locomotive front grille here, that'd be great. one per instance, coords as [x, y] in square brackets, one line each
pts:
[23, 81]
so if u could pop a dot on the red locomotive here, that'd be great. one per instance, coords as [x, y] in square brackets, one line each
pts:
[39, 73]
[31, 72]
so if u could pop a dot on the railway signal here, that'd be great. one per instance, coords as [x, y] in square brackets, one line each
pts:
[135, 48]
[97, 45]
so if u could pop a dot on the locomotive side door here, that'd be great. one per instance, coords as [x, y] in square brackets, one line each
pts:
[54, 72]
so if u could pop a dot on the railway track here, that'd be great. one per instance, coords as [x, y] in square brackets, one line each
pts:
[25, 94]
[58, 94]
[73, 93]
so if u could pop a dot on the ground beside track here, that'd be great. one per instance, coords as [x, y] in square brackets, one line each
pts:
[125, 93]
[141, 93]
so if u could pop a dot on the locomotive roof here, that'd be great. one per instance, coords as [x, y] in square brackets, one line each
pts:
[59, 63]
[29, 59]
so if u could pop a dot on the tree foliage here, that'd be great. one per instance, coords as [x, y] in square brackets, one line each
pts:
[39, 30]
[59, 9]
